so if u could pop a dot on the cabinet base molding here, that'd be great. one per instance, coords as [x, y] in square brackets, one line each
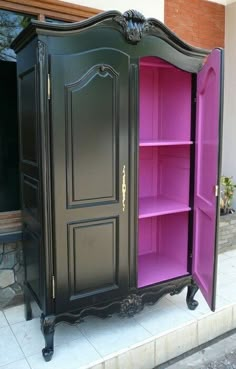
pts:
[126, 307]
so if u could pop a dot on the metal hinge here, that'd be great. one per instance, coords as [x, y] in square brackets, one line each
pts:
[53, 287]
[216, 190]
[49, 87]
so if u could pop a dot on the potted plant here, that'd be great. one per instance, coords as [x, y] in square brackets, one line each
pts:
[227, 194]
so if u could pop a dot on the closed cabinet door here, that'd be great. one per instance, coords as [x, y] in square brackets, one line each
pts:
[89, 135]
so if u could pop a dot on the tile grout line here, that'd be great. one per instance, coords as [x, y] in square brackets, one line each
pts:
[77, 326]
[30, 367]
[17, 341]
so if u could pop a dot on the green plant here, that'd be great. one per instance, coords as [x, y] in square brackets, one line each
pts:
[227, 194]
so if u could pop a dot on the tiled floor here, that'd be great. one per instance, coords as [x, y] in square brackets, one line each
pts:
[152, 337]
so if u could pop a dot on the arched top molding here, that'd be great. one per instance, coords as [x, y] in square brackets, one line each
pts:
[132, 24]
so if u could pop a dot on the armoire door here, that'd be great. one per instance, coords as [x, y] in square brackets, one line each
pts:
[209, 111]
[89, 134]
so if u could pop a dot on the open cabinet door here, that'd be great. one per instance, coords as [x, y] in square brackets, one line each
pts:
[207, 159]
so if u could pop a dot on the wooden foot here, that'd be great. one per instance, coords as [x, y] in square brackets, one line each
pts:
[48, 329]
[27, 304]
[192, 290]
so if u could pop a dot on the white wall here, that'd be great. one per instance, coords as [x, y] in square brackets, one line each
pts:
[229, 122]
[149, 8]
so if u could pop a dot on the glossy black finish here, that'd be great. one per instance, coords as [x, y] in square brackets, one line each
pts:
[27, 304]
[192, 290]
[9, 157]
[88, 215]
[80, 226]
[48, 329]
[126, 307]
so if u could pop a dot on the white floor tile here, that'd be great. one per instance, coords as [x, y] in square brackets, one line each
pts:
[223, 256]
[224, 279]
[73, 355]
[19, 364]
[179, 299]
[229, 254]
[228, 292]
[213, 325]
[141, 357]
[15, 314]
[159, 321]
[9, 349]
[114, 334]
[176, 343]
[227, 266]
[31, 340]
[3, 321]
[221, 302]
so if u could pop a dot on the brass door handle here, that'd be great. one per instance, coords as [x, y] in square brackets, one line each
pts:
[123, 188]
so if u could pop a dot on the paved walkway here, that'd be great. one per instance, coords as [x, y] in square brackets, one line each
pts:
[219, 355]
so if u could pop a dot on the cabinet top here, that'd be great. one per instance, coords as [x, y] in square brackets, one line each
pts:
[132, 24]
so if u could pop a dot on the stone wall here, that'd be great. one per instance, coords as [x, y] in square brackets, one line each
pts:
[11, 274]
[227, 233]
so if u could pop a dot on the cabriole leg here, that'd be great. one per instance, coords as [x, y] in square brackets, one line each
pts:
[192, 290]
[27, 304]
[48, 328]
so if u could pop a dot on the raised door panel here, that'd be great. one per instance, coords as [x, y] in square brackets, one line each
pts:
[93, 247]
[28, 116]
[90, 140]
[91, 168]
[31, 201]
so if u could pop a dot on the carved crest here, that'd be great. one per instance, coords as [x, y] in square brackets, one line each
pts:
[135, 25]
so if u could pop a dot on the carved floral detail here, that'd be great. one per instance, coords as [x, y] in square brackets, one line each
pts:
[135, 25]
[41, 51]
[131, 305]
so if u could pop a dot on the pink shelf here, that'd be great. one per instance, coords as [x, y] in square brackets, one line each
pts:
[153, 268]
[154, 206]
[145, 143]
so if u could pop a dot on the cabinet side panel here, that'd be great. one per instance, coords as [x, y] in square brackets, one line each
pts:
[31, 202]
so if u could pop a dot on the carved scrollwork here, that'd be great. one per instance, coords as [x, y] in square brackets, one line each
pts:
[131, 305]
[41, 51]
[135, 25]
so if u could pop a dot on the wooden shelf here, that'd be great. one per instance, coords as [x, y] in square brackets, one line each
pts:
[154, 268]
[156, 206]
[148, 143]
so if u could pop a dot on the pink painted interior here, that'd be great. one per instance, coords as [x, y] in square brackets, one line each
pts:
[165, 101]
[163, 180]
[207, 138]
[164, 170]
[163, 244]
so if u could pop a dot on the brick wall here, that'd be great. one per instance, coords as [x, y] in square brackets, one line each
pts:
[198, 22]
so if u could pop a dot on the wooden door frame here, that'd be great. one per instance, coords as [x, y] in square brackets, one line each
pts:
[55, 9]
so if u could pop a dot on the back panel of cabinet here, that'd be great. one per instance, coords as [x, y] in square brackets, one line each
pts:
[164, 171]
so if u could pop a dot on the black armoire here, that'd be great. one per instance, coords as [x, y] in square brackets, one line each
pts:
[119, 163]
